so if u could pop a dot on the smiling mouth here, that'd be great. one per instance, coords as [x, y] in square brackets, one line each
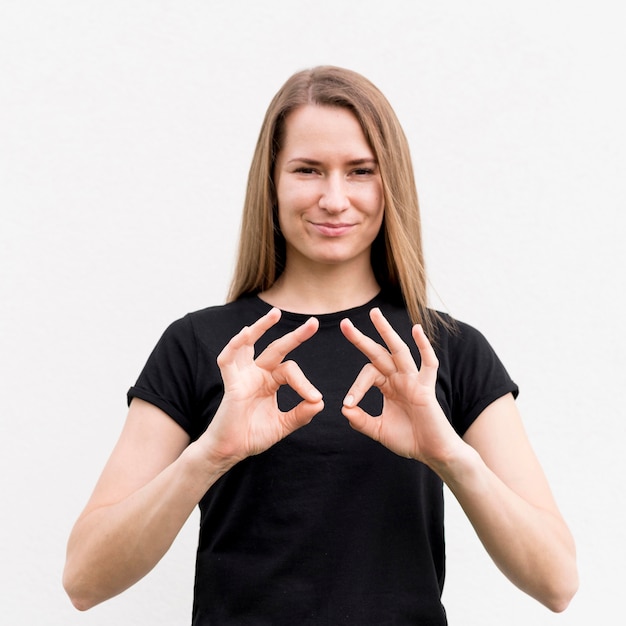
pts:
[332, 230]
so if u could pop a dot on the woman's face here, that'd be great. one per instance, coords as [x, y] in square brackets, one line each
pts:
[329, 189]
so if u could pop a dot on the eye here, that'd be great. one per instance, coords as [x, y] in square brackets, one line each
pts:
[305, 170]
[363, 171]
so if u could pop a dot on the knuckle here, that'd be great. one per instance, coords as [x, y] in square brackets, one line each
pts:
[377, 358]
[370, 369]
[290, 368]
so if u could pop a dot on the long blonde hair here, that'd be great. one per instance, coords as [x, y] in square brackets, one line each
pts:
[397, 256]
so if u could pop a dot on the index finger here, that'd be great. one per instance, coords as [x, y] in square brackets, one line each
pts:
[427, 352]
[281, 347]
[249, 335]
[246, 338]
[375, 352]
[399, 350]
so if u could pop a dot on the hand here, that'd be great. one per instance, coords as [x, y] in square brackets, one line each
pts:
[412, 424]
[248, 420]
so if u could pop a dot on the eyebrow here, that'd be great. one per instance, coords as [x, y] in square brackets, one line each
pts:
[308, 161]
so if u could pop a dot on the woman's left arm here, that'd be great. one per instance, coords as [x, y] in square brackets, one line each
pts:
[501, 486]
[493, 471]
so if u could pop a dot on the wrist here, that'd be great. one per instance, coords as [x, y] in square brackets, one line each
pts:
[457, 465]
[206, 462]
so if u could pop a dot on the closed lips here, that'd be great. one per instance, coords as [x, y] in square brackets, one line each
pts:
[333, 229]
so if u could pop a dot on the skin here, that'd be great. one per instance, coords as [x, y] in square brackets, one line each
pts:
[330, 194]
[155, 477]
[330, 210]
[492, 471]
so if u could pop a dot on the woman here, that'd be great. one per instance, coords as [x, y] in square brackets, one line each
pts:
[310, 417]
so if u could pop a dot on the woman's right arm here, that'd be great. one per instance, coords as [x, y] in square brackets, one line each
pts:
[155, 478]
[148, 488]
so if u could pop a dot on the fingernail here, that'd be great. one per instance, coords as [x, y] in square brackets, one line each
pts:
[348, 400]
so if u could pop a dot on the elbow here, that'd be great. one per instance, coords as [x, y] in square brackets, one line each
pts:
[77, 591]
[559, 604]
[79, 603]
[560, 582]
[562, 593]
[554, 588]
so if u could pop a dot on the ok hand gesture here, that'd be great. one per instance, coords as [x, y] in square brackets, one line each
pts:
[412, 423]
[248, 420]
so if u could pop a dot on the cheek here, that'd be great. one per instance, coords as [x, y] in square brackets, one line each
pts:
[289, 197]
[288, 218]
[378, 217]
[379, 222]
[377, 203]
[373, 198]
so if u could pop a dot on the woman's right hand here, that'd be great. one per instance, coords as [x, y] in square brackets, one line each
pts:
[248, 420]
[134, 515]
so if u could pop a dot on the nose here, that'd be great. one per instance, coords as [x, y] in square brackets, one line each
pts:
[334, 197]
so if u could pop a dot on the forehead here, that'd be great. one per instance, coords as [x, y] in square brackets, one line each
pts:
[329, 127]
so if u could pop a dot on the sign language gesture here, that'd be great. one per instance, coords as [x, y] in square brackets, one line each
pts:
[412, 423]
[248, 420]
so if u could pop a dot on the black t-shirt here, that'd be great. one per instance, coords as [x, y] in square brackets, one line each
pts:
[327, 526]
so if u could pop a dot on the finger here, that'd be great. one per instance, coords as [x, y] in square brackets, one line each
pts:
[302, 414]
[430, 362]
[367, 378]
[397, 347]
[249, 335]
[239, 351]
[376, 353]
[362, 422]
[226, 359]
[280, 348]
[289, 373]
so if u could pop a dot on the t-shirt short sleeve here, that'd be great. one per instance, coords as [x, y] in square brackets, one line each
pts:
[477, 376]
[168, 378]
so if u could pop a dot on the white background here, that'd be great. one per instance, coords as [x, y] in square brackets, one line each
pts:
[126, 132]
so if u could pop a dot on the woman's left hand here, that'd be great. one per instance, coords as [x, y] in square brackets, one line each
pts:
[493, 471]
[412, 424]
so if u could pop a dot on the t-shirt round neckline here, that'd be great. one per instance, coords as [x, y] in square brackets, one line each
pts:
[323, 318]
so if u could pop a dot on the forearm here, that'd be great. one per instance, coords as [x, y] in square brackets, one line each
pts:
[531, 546]
[114, 546]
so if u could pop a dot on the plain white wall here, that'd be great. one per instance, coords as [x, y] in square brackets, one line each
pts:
[126, 131]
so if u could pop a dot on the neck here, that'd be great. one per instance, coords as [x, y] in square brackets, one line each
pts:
[316, 291]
